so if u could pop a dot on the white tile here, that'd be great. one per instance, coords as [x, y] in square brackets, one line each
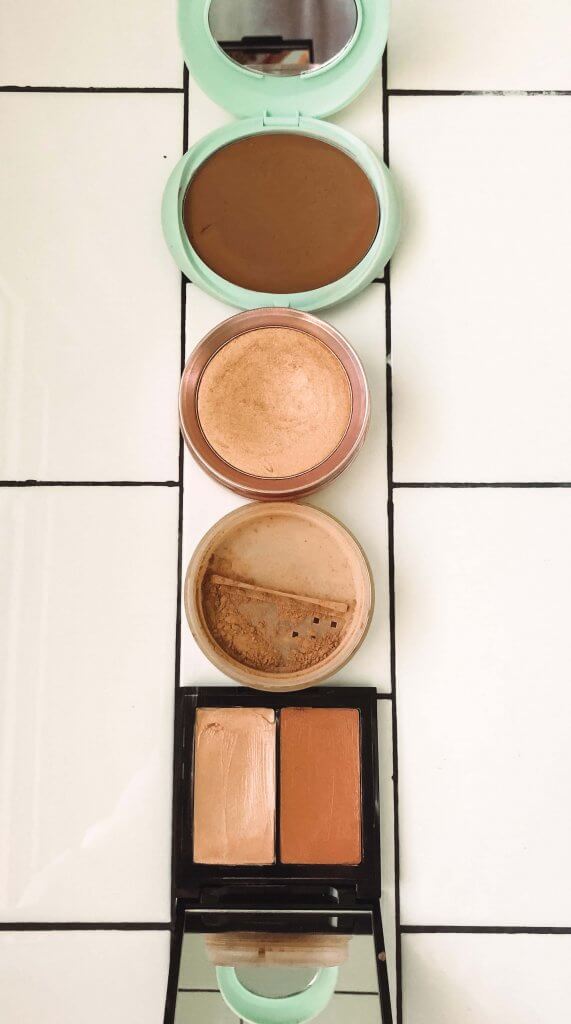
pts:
[364, 116]
[87, 617]
[88, 977]
[357, 498]
[70, 43]
[204, 115]
[480, 288]
[484, 703]
[89, 297]
[461, 44]
[486, 979]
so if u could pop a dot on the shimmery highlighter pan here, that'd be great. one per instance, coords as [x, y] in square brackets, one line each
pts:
[274, 403]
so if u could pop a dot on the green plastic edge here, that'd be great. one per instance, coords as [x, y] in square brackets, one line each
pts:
[295, 1009]
[246, 93]
[196, 270]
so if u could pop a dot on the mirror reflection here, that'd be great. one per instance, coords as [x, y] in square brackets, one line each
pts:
[281, 960]
[276, 982]
[282, 37]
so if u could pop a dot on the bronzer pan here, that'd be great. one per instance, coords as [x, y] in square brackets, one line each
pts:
[281, 207]
[278, 595]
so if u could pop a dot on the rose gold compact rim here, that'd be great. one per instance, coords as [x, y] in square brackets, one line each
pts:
[276, 488]
[269, 680]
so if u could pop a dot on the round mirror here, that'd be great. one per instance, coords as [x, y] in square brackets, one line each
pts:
[276, 982]
[282, 37]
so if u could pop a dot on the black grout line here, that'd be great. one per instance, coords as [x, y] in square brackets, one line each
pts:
[212, 990]
[178, 625]
[468, 929]
[338, 992]
[91, 89]
[89, 483]
[475, 484]
[185, 89]
[479, 92]
[85, 926]
[391, 565]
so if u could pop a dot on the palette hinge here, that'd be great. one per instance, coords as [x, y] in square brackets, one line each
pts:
[281, 120]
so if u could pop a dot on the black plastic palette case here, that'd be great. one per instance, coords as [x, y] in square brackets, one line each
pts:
[277, 859]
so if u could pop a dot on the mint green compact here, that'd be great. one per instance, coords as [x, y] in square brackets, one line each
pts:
[281, 68]
[299, 1008]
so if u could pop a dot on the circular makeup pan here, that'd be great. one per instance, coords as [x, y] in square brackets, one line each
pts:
[280, 213]
[274, 403]
[278, 596]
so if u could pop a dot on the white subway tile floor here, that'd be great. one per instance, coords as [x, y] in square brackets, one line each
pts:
[462, 45]
[103, 45]
[481, 303]
[91, 330]
[486, 979]
[89, 305]
[88, 977]
[484, 704]
[87, 624]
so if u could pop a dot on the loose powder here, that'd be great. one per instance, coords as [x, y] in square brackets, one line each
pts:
[280, 212]
[268, 633]
[274, 402]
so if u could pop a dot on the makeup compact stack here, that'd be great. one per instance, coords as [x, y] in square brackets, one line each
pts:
[276, 810]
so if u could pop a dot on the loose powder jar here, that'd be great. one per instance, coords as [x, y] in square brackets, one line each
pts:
[281, 207]
[278, 595]
[274, 403]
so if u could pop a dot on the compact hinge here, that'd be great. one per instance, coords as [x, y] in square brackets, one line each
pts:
[281, 120]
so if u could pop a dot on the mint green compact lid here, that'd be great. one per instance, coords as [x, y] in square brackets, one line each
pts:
[317, 92]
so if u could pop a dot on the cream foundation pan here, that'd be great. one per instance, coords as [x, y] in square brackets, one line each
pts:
[278, 595]
[274, 403]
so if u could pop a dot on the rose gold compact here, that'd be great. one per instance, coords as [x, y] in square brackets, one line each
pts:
[274, 403]
[278, 595]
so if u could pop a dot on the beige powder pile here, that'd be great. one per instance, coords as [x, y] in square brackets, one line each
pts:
[257, 629]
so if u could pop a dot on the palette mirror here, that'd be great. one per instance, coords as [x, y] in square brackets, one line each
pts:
[276, 956]
[277, 38]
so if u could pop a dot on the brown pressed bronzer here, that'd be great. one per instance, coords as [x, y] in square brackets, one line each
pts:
[280, 212]
[320, 790]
